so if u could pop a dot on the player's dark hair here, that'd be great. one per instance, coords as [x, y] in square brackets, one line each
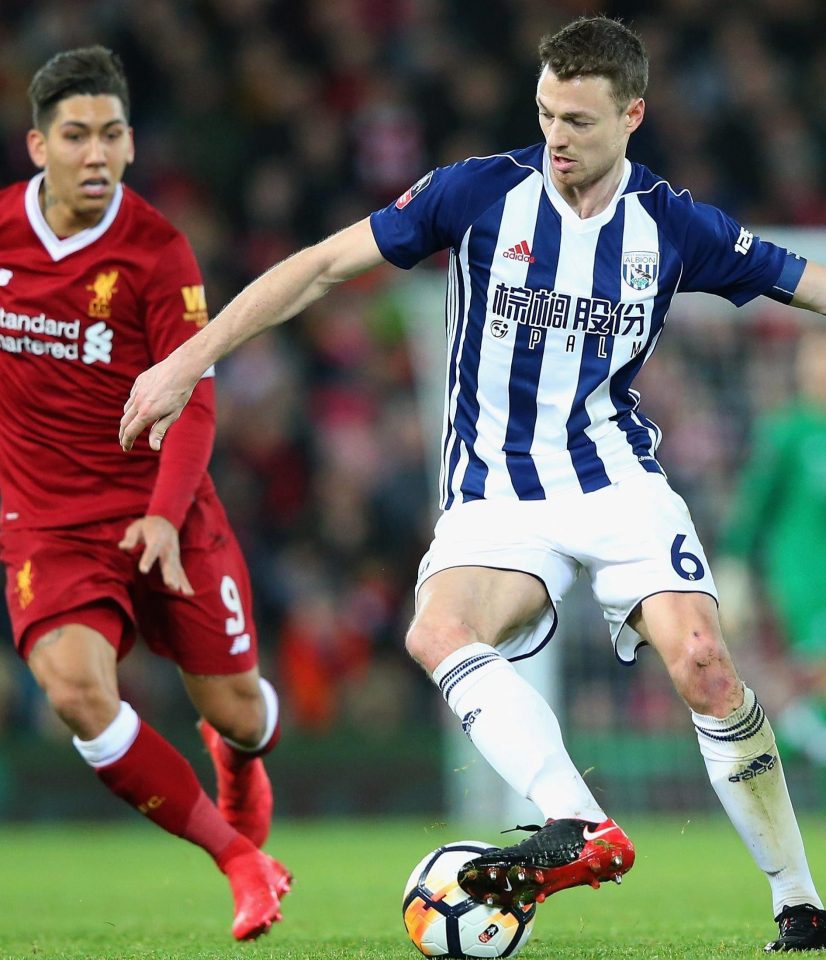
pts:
[598, 47]
[86, 70]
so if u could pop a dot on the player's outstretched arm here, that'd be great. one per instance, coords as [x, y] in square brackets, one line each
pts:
[811, 288]
[159, 394]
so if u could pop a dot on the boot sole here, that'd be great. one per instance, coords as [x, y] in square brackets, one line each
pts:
[504, 883]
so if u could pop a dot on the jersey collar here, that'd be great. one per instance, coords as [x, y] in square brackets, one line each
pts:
[55, 247]
[569, 217]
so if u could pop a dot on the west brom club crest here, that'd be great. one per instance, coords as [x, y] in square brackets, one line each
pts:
[640, 268]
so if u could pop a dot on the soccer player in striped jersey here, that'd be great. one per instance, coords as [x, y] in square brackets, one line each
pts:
[94, 285]
[564, 259]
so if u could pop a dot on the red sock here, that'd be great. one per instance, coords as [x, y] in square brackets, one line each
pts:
[156, 780]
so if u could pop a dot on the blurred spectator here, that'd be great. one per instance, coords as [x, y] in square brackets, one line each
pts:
[264, 124]
[776, 531]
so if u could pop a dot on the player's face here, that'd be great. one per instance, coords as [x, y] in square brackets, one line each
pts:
[585, 131]
[84, 153]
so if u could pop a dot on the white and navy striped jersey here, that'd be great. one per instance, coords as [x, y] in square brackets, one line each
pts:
[550, 317]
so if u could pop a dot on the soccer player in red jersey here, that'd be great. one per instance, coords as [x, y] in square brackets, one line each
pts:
[95, 285]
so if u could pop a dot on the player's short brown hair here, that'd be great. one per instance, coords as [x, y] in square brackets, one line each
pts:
[598, 47]
[86, 70]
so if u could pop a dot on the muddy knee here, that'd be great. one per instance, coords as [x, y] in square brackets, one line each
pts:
[705, 676]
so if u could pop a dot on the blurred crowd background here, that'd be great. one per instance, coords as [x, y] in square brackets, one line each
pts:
[263, 125]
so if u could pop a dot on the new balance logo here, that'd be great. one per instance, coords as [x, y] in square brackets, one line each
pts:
[520, 252]
[97, 345]
[759, 765]
[240, 645]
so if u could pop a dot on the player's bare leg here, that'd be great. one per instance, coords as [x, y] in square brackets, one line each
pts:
[740, 753]
[240, 723]
[76, 667]
[77, 670]
[462, 614]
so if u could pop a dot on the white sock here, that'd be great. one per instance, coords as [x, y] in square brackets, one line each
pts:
[515, 731]
[114, 742]
[271, 709]
[745, 770]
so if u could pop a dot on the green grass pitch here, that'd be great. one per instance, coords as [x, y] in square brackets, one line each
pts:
[89, 891]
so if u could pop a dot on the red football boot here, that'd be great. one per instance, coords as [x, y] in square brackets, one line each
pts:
[562, 854]
[244, 789]
[258, 882]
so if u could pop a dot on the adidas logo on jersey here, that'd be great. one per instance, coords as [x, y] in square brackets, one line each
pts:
[520, 252]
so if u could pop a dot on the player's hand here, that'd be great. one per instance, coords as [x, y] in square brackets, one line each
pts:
[157, 397]
[159, 539]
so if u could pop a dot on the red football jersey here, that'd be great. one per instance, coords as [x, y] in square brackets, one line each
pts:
[80, 318]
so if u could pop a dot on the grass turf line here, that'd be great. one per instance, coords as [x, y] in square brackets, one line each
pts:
[123, 892]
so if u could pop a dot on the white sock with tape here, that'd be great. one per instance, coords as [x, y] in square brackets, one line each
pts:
[744, 767]
[515, 731]
[114, 742]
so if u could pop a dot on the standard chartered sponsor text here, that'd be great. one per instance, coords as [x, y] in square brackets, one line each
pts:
[39, 323]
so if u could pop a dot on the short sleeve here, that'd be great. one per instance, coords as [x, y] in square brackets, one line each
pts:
[436, 212]
[413, 227]
[721, 257]
[174, 299]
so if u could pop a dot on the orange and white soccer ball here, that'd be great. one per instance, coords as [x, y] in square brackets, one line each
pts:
[443, 921]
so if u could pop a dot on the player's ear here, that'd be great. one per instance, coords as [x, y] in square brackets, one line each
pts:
[36, 144]
[634, 114]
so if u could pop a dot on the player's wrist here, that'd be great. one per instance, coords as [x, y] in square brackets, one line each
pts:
[190, 362]
[165, 509]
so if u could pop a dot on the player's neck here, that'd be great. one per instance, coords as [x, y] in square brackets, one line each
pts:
[62, 219]
[589, 200]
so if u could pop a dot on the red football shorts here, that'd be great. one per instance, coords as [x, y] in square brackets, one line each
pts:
[79, 575]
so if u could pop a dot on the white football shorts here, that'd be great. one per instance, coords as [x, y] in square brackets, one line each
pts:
[634, 538]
